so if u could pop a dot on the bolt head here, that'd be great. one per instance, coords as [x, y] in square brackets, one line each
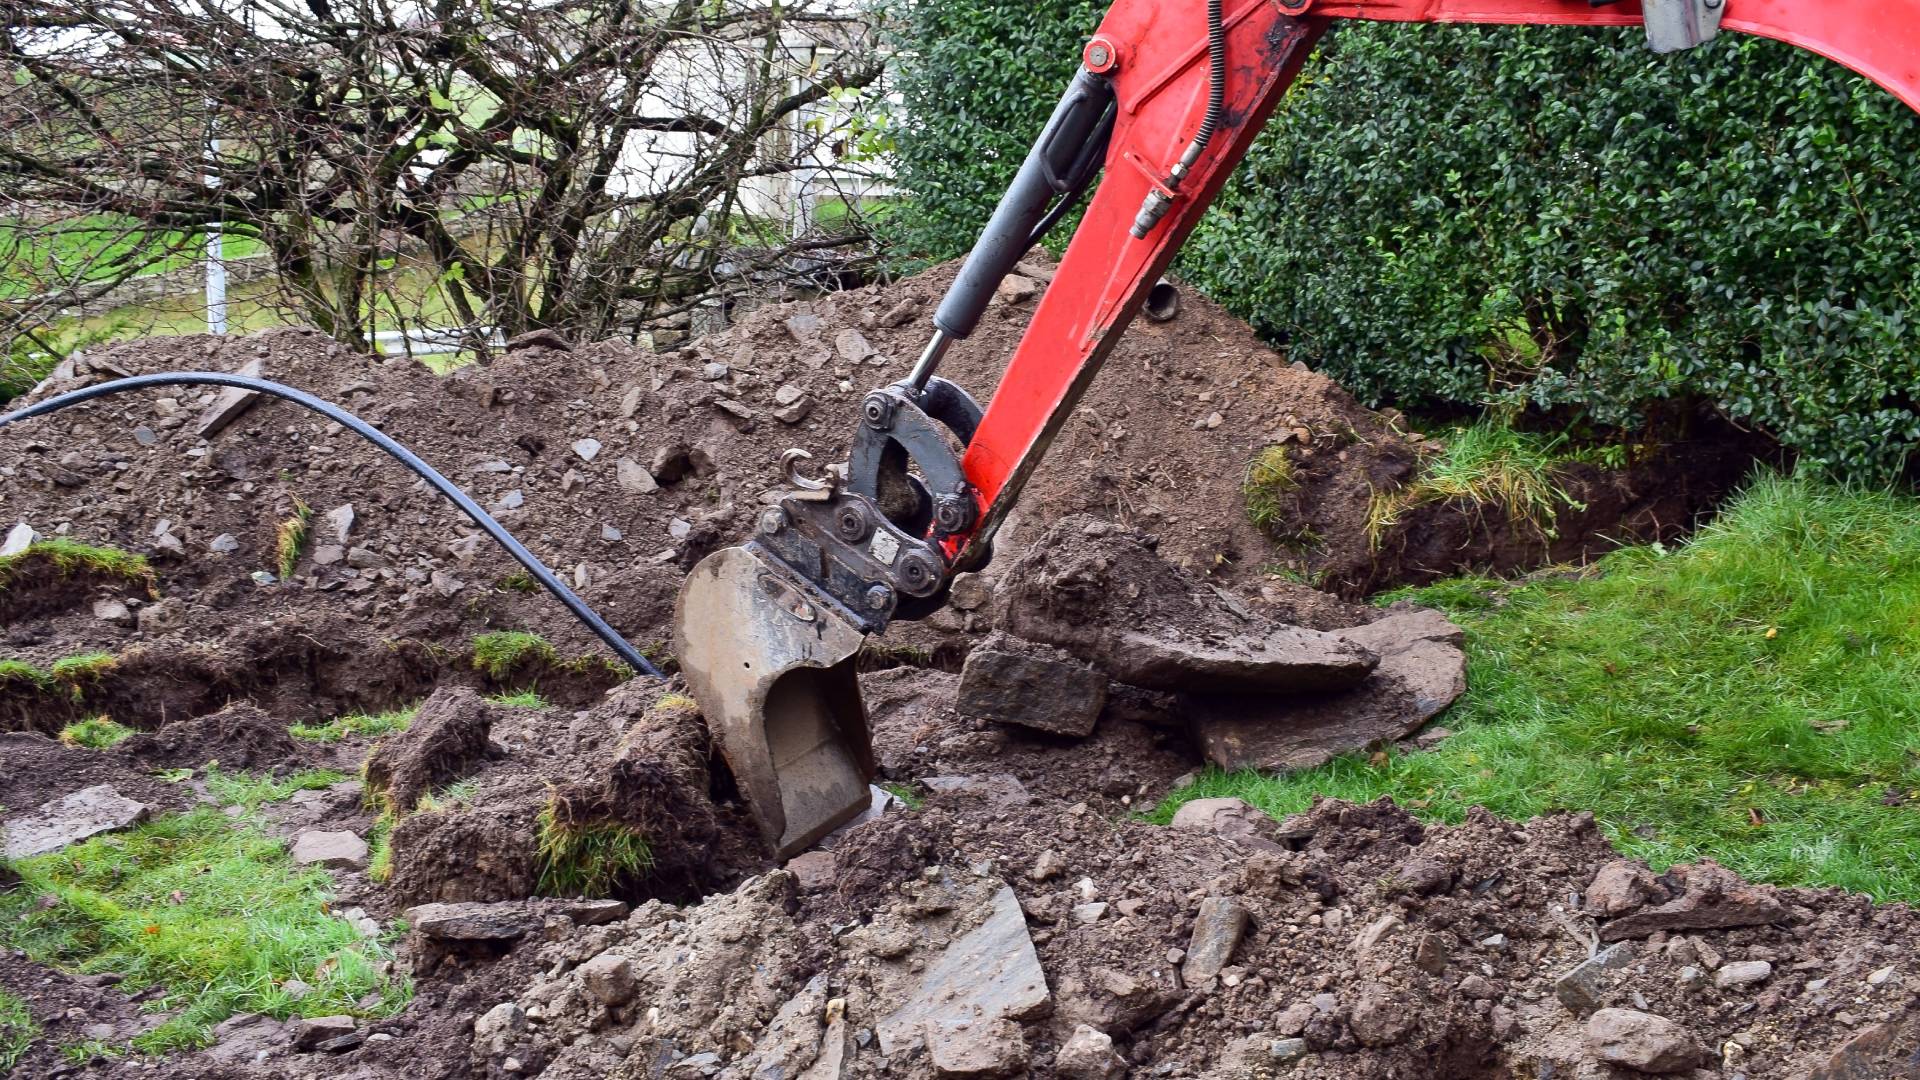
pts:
[772, 520]
[879, 597]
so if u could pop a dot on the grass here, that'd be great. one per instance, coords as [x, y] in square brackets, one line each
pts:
[76, 673]
[17, 1031]
[207, 909]
[19, 671]
[231, 789]
[1268, 481]
[525, 699]
[500, 652]
[68, 557]
[589, 858]
[906, 793]
[95, 733]
[1750, 697]
[290, 539]
[1487, 464]
[365, 725]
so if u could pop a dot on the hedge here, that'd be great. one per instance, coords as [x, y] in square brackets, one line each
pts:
[1542, 218]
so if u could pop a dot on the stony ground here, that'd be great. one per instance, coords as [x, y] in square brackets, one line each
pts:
[1019, 918]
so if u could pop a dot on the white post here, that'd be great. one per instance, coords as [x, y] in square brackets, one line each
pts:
[216, 266]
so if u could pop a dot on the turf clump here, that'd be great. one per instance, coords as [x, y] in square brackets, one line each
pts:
[500, 653]
[95, 733]
[591, 857]
[290, 538]
[69, 557]
[16, 672]
[1486, 464]
[1748, 697]
[1268, 481]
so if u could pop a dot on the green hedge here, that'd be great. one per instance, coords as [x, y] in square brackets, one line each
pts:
[1539, 217]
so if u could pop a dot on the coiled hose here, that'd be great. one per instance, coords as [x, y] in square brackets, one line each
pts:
[406, 457]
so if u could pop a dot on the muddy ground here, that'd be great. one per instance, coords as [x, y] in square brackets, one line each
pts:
[1351, 942]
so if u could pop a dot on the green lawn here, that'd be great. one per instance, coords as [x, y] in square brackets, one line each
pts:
[209, 909]
[1753, 697]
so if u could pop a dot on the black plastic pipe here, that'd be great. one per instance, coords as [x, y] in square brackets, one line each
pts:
[380, 439]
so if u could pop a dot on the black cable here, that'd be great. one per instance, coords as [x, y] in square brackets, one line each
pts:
[1216, 77]
[380, 439]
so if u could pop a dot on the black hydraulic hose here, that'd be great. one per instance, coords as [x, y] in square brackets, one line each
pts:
[1216, 77]
[380, 439]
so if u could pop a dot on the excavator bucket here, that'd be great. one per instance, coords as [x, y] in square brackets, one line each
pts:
[773, 671]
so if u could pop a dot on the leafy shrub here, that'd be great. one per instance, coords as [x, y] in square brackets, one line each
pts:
[1537, 217]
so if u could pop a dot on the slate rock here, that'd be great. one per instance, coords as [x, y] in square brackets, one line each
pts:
[610, 978]
[1642, 1042]
[1887, 1051]
[474, 921]
[632, 478]
[310, 1032]
[334, 850]
[231, 404]
[1421, 669]
[339, 522]
[224, 544]
[1231, 818]
[1217, 930]
[19, 538]
[975, 1049]
[112, 611]
[1742, 973]
[992, 972]
[1583, 988]
[71, 819]
[1619, 887]
[1033, 686]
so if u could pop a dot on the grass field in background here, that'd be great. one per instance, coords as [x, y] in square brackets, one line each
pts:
[1752, 696]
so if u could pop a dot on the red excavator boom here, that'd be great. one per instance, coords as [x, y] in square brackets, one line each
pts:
[1167, 100]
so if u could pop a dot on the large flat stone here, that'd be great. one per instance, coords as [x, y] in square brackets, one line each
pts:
[69, 820]
[989, 973]
[1422, 670]
[232, 403]
[1713, 899]
[502, 921]
[340, 850]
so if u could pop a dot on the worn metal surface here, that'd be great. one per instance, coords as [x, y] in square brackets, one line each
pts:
[771, 665]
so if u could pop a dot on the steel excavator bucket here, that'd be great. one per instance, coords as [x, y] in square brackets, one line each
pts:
[773, 671]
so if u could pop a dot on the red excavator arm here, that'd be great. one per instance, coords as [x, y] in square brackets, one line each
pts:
[1165, 104]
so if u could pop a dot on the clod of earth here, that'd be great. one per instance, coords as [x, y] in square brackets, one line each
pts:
[1642, 1042]
[447, 738]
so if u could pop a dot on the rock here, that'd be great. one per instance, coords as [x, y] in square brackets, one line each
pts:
[1422, 668]
[630, 403]
[1712, 898]
[900, 314]
[231, 404]
[594, 912]
[1088, 914]
[328, 555]
[1619, 887]
[989, 973]
[633, 479]
[975, 1049]
[1217, 930]
[333, 850]
[735, 409]
[540, 338]
[1583, 988]
[813, 869]
[1742, 973]
[339, 522]
[1230, 818]
[1004, 790]
[473, 921]
[145, 435]
[1048, 865]
[1430, 954]
[1378, 1018]
[1423, 875]
[224, 544]
[1282, 1051]
[443, 583]
[1017, 289]
[610, 978]
[19, 539]
[1375, 932]
[1642, 1042]
[342, 1043]
[852, 346]
[1889, 1051]
[794, 413]
[610, 534]
[587, 449]
[246, 1039]
[1088, 1055]
[71, 819]
[497, 1030]
[112, 611]
[804, 328]
[1032, 686]
[787, 394]
[714, 372]
[163, 616]
[1477, 987]
[314, 1030]
[512, 500]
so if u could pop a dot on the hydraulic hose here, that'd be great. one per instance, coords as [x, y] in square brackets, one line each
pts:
[1216, 80]
[406, 457]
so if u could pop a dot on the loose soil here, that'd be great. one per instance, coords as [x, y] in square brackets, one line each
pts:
[621, 468]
